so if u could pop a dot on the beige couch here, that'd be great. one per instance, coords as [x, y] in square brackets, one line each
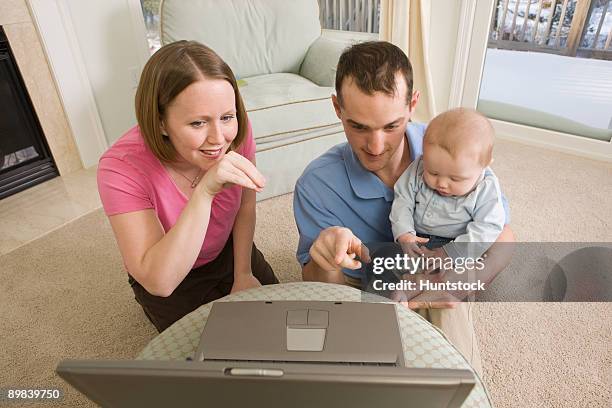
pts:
[287, 67]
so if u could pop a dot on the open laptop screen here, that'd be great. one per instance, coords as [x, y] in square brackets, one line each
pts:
[197, 384]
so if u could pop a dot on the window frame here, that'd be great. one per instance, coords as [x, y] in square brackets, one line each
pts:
[472, 39]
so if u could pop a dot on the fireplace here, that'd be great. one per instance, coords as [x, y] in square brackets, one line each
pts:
[25, 158]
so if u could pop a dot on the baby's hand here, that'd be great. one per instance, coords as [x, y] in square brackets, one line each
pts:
[410, 244]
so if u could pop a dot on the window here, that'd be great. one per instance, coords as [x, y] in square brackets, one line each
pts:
[350, 15]
[150, 11]
[549, 65]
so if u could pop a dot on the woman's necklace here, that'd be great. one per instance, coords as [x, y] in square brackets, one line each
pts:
[193, 182]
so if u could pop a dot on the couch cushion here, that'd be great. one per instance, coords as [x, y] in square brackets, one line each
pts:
[287, 108]
[321, 61]
[254, 37]
[322, 57]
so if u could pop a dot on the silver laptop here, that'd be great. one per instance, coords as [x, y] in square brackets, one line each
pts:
[280, 354]
[304, 332]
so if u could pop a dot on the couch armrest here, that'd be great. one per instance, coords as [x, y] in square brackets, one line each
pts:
[319, 65]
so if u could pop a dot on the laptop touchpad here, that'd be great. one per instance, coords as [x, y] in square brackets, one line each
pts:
[306, 329]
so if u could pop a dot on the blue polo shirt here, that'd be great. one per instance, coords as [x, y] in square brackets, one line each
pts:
[336, 190]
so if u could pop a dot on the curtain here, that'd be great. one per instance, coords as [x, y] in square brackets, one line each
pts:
[405, 23]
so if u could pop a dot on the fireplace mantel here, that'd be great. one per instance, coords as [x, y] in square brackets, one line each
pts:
[40, 83]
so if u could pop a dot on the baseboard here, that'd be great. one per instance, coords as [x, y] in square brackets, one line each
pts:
[557, 141]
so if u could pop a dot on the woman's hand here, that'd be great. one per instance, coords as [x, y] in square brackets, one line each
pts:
[231, 169]
[243, 281]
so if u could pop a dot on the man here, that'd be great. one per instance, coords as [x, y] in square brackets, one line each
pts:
[344, 197]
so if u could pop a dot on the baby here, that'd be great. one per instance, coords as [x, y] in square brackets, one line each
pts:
[449, 197]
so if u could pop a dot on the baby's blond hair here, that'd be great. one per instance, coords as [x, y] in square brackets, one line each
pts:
[462, 131]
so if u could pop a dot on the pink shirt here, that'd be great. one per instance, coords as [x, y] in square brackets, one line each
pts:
[131, 178]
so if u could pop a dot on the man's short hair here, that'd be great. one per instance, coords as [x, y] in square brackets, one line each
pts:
[373, 66]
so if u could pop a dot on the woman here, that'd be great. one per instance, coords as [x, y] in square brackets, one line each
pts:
[179, 188]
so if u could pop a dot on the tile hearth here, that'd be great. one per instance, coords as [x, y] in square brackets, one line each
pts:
[32, 213]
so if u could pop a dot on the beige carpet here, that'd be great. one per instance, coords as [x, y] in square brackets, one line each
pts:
[66, 295]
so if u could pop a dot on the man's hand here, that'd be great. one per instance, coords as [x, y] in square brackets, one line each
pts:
[243, 281]
[336, 248]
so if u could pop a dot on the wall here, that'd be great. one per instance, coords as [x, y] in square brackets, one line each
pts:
[112, 53]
